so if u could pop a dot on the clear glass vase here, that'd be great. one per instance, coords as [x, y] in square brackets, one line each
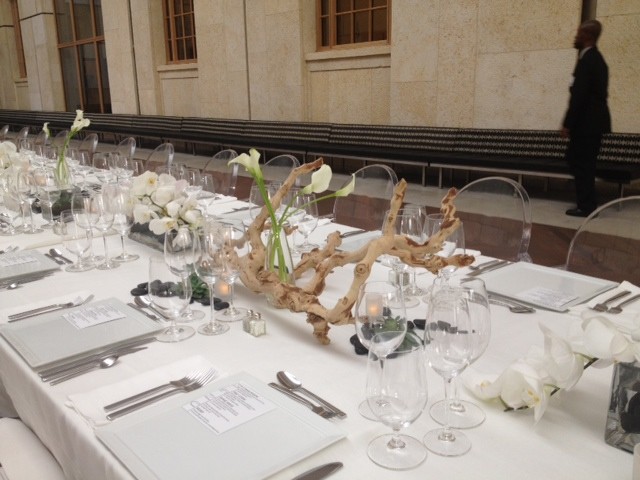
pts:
[278, 257]
[63, 172]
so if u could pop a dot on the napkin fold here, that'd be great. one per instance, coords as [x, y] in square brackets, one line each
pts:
[90, 404]
[67, 297]
[628, 320]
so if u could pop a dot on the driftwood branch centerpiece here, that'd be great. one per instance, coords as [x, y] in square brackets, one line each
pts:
[306, 298]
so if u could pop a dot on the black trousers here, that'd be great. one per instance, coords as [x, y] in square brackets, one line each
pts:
[581, 155]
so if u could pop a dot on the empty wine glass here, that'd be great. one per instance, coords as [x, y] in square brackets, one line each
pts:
[102, 210]
[234, 244]
[397, 394]
[379, 310]
[455, 240]
[451, 335]
[27, 191]
[180, 254]
[208, 193]
[463, 413]
[47, 191]
[307, 221]
[122, 203]
[82, 165]
[169, 293]
[102, 168]
[209, 266]
[81, 208]
[194, 179]
[75, 240]
[257, 200]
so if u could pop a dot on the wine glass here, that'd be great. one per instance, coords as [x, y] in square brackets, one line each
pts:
[122, 203]
[48, 192]
[455, 240]
[74, 239]
[377, 312]
[256, 199]
[397, 395]
[169, 293]
[408, 223]
[307, 221]
[27, 191]
[413, 290]
[102, 211]
[463, 413]
[194, 179]
[209, 267]
[451, 334]
[81, 208]
[208, 193]
[102, 168]
[234, 244]
[82, 165]
[180, 254]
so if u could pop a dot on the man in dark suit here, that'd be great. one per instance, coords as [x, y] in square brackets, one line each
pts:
[587, 117]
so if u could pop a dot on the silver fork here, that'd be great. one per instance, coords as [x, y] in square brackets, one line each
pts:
[323, 412]
[196, 384]
[603, 306]
[179, 383]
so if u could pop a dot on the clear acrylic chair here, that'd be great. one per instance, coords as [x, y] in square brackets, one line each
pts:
[59, 139]
[21, 135]
[278, 168]
[89, 144]
[225, 176]
[126, 147]
[496, 215]
[365, 207]
[162, 156]
[41, 138]
[3, 132]
[23, 456]
[607, 244]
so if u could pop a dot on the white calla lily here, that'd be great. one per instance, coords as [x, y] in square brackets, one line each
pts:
[320, 180]
[347, 189]
[250, 162]
[80, 122]
[45, 129]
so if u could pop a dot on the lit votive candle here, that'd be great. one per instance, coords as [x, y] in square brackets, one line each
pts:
[374, 305]
[222, 289]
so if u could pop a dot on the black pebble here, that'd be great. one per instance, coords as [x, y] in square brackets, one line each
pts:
[136, 292]
[419, 323]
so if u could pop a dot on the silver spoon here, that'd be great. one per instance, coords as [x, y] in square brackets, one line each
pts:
[106, 362]
[144, 301]
[11, 286]
[513, 308]
[57, 253]
[291, 382]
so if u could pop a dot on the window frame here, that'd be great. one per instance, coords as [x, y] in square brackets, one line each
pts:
[332, 19]
[171, 39]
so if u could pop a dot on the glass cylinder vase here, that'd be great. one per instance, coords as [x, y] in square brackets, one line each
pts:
[278, 257]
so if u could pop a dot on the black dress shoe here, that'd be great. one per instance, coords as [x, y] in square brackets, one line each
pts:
[577, 212]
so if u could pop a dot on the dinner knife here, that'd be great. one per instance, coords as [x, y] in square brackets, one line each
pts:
[320, 472]
[488, 268]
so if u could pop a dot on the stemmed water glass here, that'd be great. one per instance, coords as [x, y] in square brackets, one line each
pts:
[169, 293]
[122, 203]
[82, 164]
[180, 250]
[307, 221]
[379, 310]
[397, 395]
[452, 332]
[463, 413]
[102, 168]
[27, 191]
[194, 179]
[48, 191]
[209, 267]
[234, 244]
[102, 210]
[455, 240]
[81, 208]
[208, 193]
[75, 240]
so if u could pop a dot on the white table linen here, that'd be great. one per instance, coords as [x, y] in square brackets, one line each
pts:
[568, 442]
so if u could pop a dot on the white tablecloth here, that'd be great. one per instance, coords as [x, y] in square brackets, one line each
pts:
[567, 443]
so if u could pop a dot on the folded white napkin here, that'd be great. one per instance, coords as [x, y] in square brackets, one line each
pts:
[628, 320]
[67, 297]
[90, 404]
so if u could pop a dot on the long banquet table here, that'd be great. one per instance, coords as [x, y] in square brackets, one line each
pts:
[568, 442]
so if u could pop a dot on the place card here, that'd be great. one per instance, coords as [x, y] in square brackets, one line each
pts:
[547, 297]
[13, 260]
[93, 315]
[228, 407]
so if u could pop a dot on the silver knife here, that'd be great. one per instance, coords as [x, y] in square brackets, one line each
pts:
[320, 472]
[488, 268]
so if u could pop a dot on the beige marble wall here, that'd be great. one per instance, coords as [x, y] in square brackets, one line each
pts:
[8, 62]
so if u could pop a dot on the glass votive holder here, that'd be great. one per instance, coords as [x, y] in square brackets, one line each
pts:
[254, 324]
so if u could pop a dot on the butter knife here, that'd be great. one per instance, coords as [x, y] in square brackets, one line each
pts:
[320, 472]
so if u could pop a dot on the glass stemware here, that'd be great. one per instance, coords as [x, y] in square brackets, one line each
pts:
[102, 210]
[81, 208]
[194, 179]
[234, 244]
[74, 239]
[455, 240]
[122, 203]
[208, 193]
[180, 254]
[83, 165]
[102, 167]
[397, 394]
[463, 413]
[27, 191]
[171, 294]
[307, 221]
[208, 267]
[378, 312]
[451, 335]
[48, 192]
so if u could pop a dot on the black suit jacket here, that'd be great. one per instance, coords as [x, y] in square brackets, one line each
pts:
[588, 112]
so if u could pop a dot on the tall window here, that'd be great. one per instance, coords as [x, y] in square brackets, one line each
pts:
[348, 22]
[22, 68]
[82, 55]
[180, 31]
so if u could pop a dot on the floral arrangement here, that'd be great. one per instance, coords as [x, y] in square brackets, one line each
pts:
[320, 180]
[161, 202]
[531, 381]
[8, 154]
[62, 172]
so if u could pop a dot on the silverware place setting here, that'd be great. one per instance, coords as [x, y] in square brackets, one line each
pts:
[76, 302]
[292, 383]
[319, 472]
[604, 305]
[318, 409]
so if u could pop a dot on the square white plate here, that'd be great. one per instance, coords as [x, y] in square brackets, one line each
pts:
[49, 337]
[32, 262]
[165, 441]
[544, 287]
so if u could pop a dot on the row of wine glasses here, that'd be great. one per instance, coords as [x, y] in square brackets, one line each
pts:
[457, 332]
